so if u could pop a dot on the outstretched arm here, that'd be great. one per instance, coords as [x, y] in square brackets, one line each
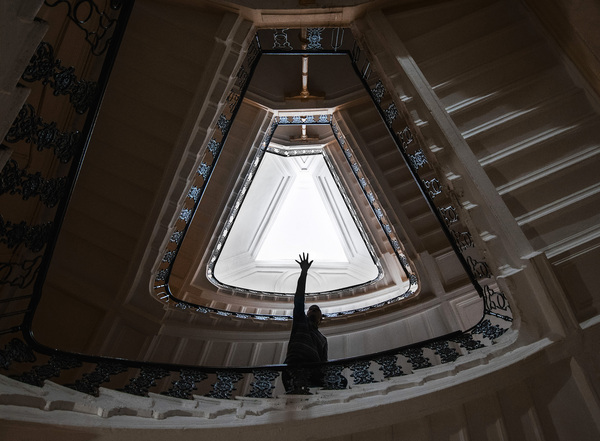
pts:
[301, 288]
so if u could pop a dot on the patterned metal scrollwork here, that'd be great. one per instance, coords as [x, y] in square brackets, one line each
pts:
[33, 237]
[314, 38]
[481, 270]
[405, 137]
[463, 239]
[333, 379]
[449, 214]
[433, 186]
[488, 330]
[186, 384]
[418, 159]
[214, 147]
[443, 349]
[31, 128]
[14, 180]
[47, 69]
[378, 91]
[280, 40]
[146, 379]
[225, 385]
[223, 124]
[389, 365]
[53, 368]
[95, 21]
[262, 386]
[495, 301]
[466, 340]
[361, 373]
[15, 350]
[91, 381]
[416, 358]
[20, 274]
[391, 113]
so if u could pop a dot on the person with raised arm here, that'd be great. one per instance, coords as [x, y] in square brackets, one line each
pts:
[307, 344]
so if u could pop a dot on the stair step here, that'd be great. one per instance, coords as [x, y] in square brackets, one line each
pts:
[562, 110]
[414, 21]
[561, 181]
[460, 31]
[532, 91]
[503, 70]
[544, 154]
[462, 59]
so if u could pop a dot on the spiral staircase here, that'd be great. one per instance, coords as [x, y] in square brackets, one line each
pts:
[502, 102]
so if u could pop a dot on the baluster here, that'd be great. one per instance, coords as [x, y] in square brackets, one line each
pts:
[262, 386]
[389, 366]
[361, 372]
[15, 350]
[53, 368]
[466, 340]
[333, 379]
[91, 381]
[488, 330]
[225, 384]
[145, 380]
[416, 358]
[183, 387]
[443, 349]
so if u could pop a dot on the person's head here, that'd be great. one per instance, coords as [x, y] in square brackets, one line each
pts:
[314, 314]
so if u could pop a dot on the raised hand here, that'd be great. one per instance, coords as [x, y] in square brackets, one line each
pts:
[303, 262]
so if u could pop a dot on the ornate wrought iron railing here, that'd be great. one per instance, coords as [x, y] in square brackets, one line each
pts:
[24, 359]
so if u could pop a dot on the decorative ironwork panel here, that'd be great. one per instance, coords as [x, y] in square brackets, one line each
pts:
[214, 147]
[488, 330]
[463, 239]
[494, 301]
[378, 91]
[97, 19]
[314, 38]
[433, 186]
[14, 180]
[44, 67]
[405, 137]
[481, 270]
[262, 386]
[418, 159]
[146, 379]
[466, 340]
[361, 372]
[225, 384]
[21, 274]
[443, 349]
[53, 368]
[333, 379]
[33, 237]
[449, 214]
[416, 358]
[389, 365]
[31, 128]
[91, 381]
[15, 350]
[223, 124]
[186, 384]
[280, 40]
[391, 113]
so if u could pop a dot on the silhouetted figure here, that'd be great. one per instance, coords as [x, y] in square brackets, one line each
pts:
[307, 344]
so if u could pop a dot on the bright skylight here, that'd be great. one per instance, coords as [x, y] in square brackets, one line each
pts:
[302, 224]
[292, 206]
